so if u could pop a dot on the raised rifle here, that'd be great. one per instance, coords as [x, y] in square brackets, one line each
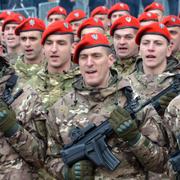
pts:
[90, 142]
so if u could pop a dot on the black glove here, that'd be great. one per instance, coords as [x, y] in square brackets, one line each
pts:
[124, 126]
[8, 124]
[163, 102]
[81, 170]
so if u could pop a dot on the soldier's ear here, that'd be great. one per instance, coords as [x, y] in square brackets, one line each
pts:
[111, 60]
[170, 48]
[73, 47]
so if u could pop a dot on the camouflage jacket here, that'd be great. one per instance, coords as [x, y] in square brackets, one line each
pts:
[172, 122]
[177, 55]
[125, 66]
[147, 86]
[24, 152]
[12, 58]
[26, 71]
[84, 105]
[51, 86]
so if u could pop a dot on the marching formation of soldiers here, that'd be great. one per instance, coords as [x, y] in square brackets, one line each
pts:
[63, 84]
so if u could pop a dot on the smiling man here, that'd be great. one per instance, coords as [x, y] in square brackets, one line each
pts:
[12, 40]
[56, 78]
[30, 33]
[153, 72]
[124, 32]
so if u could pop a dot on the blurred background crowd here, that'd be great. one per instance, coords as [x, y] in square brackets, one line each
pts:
[39, 8]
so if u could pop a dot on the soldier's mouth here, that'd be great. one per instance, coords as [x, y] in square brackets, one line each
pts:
[91, 72]
[150, 56]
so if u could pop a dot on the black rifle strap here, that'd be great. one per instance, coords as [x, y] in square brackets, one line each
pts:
[11, 82]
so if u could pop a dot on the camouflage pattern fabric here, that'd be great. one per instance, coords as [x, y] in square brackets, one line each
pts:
[147, 86]
[177, 55]
[84, 105]
[125, 66]
[26, 71]
[12, 58]
[23, 154]
[51, 86]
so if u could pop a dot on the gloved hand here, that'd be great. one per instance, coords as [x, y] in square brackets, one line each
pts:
[81, 170]
[166, 99]
[8, 124]
[124, 126]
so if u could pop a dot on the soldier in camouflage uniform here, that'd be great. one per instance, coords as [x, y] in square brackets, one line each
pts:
[11, 40]
[153, 72]
[56, 78]
[124, 32]
[22, 135]
[32, 60]
[173, 25]
[96, 94]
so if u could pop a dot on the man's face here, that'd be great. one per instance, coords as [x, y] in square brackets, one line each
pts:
[95, 66]
[75, 25]
[117, 14]
[154, 50]
[55, 17]
[175, 35]
[103, 18]
[11, 40]
[159, 14]
[57, 49]
[92, 30]
[124, 43]
[31, 44]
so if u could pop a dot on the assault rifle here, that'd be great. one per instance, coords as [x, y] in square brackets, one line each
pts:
[90, 142]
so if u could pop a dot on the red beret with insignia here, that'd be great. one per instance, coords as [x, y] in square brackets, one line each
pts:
[57, 10]
[154, 28]
[171, 21]
[30, 24]
[118, 7]
[57, 27]
[15, 18]
[154, 6]
[147, 16]
[89, 41]
[89, 23]
[5, 14]
[76, 15]
[99, 10]
[126, 21]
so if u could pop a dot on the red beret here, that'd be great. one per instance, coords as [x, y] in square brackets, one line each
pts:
[30, 24]
[89, 23]
[154, 6]
[99, 10]
[148, 16]
[58, 27]
[126, 21]
[118, 7]
[15, 18]
[76, 15]
[154, 28]
[57, 10]
[5, 14]
[171, 21]
[88, 41]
